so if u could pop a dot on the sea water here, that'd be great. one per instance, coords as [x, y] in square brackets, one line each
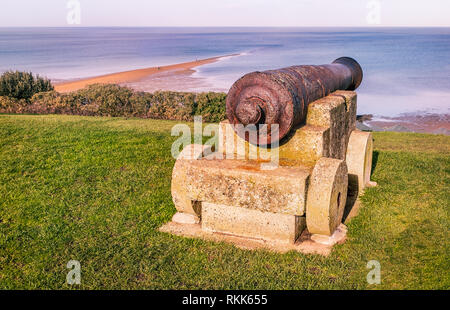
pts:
[405, 69]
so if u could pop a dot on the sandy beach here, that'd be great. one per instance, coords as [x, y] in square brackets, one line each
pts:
[413, 122]
[171, 77]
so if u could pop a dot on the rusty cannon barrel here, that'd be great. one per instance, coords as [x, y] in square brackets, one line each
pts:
[282, 96]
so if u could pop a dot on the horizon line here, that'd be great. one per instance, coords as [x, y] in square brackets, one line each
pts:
[375, 27]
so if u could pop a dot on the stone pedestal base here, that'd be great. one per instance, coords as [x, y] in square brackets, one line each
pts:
[339, 236]
[249, 223]
[185, 218]
[304, 243]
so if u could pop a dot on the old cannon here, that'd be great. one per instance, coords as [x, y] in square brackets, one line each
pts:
[321, 166]
[282, 96]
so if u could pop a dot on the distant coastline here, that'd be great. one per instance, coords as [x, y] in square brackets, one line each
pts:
[139, 78]
[418, 122]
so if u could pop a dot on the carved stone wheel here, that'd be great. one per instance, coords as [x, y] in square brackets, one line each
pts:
[327, 195]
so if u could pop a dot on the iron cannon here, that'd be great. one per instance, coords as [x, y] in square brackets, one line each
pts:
[282, 96]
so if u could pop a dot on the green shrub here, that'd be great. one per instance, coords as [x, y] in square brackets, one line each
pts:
[11, 105]
[22, 85]
[115, 100]
[171, 105]
[211, 106]
[112, 100]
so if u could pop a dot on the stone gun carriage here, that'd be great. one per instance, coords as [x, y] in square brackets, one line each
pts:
[321, 159]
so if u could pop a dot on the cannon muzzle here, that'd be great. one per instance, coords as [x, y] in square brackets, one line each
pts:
[281, 96]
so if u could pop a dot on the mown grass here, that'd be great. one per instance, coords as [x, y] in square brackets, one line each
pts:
[96, 190]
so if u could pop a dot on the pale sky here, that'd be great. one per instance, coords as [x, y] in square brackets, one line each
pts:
[292, 13]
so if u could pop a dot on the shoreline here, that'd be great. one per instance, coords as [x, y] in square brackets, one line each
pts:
[135, 77]
[420, 122]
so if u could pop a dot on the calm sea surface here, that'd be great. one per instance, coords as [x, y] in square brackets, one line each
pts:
[405, 69]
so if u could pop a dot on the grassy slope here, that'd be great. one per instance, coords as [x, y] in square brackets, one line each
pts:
[97, 189]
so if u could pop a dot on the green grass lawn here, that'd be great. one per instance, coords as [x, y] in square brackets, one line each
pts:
[96, 190]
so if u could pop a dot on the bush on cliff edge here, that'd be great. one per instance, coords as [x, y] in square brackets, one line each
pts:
[22, 85]
[115, 100]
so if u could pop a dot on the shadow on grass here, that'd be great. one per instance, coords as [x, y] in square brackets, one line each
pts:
[352, 195]
[374, 161]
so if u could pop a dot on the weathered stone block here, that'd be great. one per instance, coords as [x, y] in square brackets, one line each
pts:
[338, 113]
[180, 195]
[350, 115]
[251, 223]
[306, 144]
[233, 146]
[240, 183]
[329, 123]
[350, 101]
